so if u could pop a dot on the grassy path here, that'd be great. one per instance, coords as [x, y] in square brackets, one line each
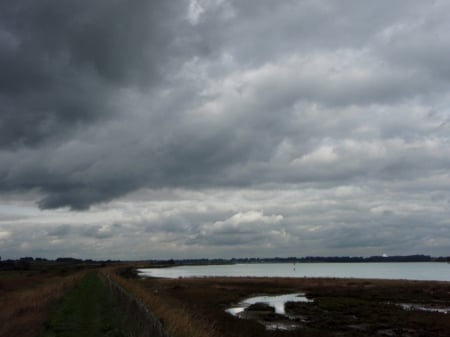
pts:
[88, 310]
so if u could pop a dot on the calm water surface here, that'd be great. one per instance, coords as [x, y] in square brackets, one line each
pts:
[408, 271]
[275, 301]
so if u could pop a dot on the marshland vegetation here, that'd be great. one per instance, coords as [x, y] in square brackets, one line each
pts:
[93, 301]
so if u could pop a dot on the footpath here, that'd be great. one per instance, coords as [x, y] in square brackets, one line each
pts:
[88, 310]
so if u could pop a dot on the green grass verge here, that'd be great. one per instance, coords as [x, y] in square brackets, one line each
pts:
[88, 310]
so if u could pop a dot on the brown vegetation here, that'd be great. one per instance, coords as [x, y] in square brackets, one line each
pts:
[176, 318]
[196, 307]
[26, 299]
[341, 307]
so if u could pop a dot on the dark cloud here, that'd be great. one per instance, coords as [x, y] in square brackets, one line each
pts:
[60, 61]
[103, 99]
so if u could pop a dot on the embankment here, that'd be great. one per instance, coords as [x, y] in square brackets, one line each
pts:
[97, 306]
[168, 316]
[134, 313]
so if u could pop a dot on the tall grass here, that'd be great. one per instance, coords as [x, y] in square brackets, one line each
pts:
[23, 311]
[176, 319]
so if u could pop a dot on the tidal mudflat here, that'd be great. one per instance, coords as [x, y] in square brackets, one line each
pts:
[335, 306]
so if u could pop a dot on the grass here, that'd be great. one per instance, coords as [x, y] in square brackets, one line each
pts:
[87, 310]
[26, 299]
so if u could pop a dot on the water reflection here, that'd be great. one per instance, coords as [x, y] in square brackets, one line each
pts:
[271, 312]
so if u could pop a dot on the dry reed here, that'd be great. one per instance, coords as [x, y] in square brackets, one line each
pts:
[23, 311]
[176, 319]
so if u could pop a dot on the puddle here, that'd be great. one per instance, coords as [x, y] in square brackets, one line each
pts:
[421, 307]
[269, 310]
[283, 325]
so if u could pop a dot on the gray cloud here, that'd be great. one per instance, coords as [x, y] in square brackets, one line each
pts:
[60, 231]
[102, 100]
[61, 63]
[345, 220]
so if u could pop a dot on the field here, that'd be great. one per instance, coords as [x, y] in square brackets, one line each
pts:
[340, 307]
[87, 310]
[64, 302]
[27, 297]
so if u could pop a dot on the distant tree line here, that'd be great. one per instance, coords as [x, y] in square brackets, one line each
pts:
[307, 259]
[28, 263]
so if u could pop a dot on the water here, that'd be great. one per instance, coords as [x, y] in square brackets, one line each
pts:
[434, 271]
[277, 302]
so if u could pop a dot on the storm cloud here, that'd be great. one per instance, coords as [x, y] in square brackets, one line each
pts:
[338, 108]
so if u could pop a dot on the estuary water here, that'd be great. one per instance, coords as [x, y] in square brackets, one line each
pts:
[433, 271]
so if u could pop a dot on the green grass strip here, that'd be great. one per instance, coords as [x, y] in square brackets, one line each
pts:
[88, 310]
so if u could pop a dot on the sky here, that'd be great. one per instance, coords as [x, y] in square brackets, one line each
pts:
[224, 128]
